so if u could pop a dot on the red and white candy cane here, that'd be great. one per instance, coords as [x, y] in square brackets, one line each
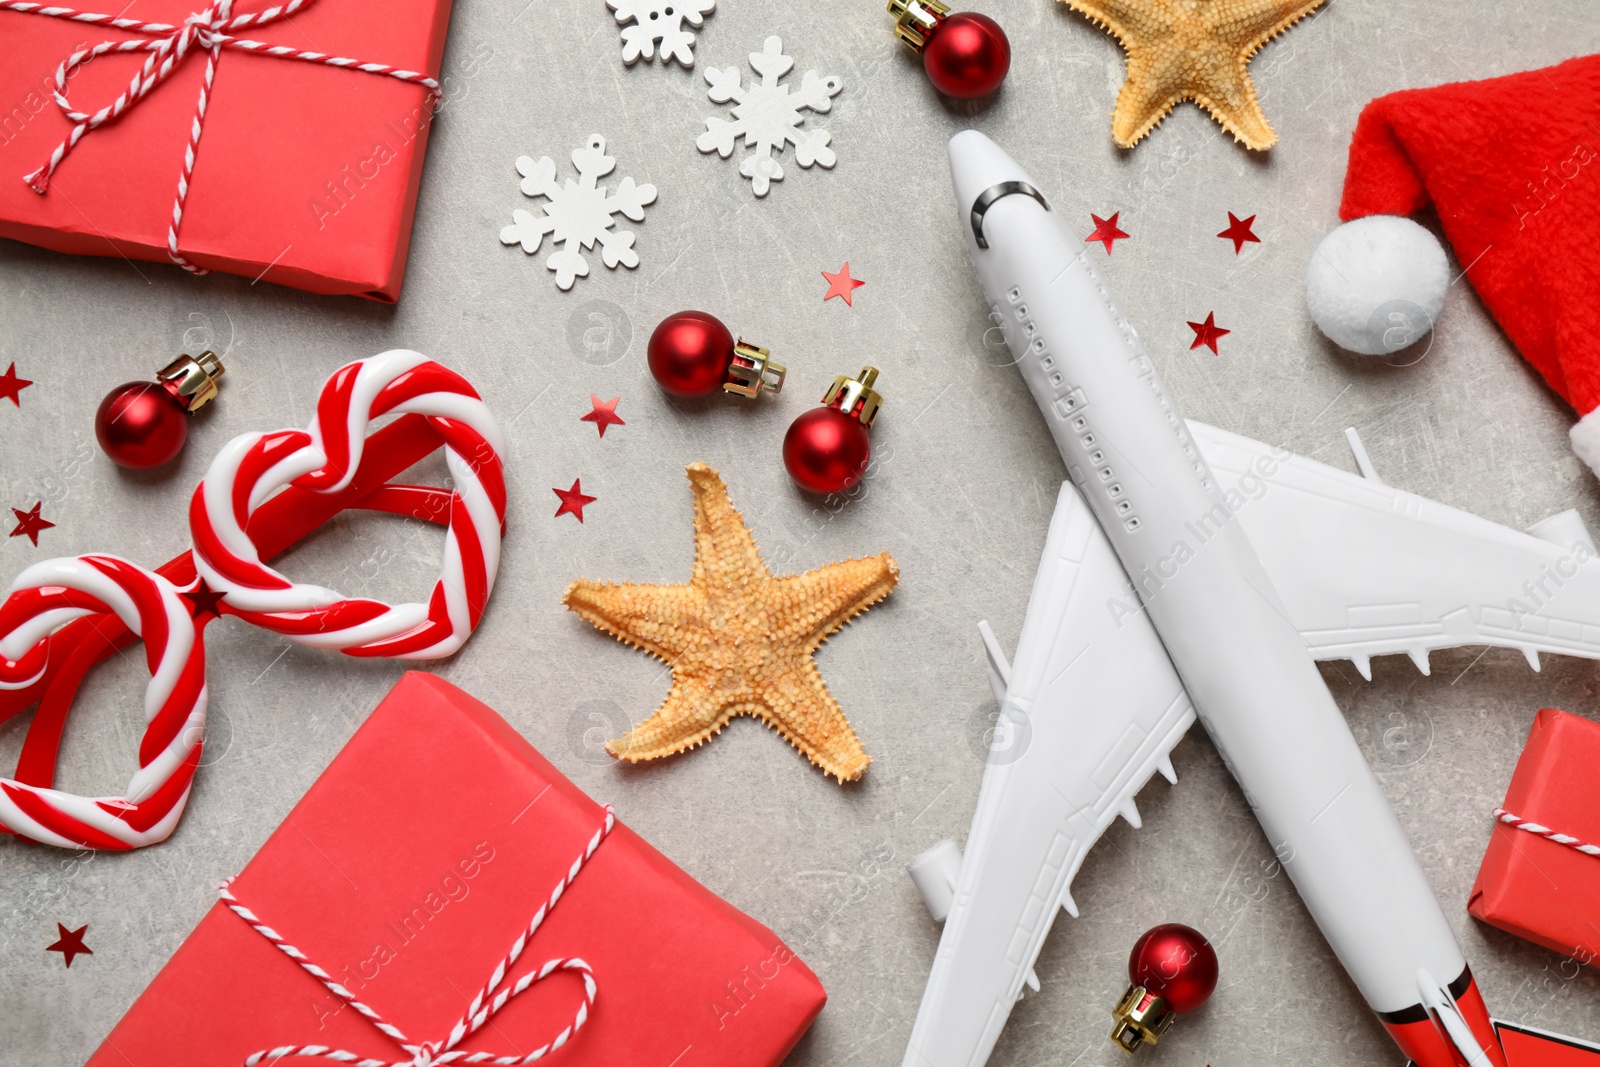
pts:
[490, 999]
[64, 616]
[48, 596]
[253, 467]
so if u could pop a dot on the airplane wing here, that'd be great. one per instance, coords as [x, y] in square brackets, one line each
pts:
[1092, 709]
[1366, 569]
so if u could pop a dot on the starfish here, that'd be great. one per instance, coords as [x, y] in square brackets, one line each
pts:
[739, 640]
[1192, 50]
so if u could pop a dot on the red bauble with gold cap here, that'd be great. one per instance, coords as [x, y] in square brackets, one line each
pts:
[966, 55]
[1177, 963]
[827, 449]
[1172, 969]
[692, 354]
[141, 425]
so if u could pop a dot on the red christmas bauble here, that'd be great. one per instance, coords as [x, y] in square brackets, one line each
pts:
[690, 354]
[141, 425]
[1176, 963]
[967, 56]
[826, 450]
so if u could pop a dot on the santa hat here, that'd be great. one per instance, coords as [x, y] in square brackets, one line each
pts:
[1511, 166]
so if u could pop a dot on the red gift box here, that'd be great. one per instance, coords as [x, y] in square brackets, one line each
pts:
[305, 173]
[408, 870]
[1531, 885]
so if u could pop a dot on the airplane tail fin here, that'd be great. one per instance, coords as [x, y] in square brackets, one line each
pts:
[1449, 1030]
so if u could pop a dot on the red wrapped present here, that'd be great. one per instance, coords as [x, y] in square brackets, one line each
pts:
[427, 851]
[281, 142]
[1540, 877]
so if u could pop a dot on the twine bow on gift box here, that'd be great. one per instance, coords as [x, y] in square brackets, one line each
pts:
[483, 1007]
[167, 46]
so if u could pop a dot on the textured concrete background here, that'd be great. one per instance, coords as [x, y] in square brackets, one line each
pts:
[961, 495]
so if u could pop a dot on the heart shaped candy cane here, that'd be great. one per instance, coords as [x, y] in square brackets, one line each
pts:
[251, 468]
[46, 597]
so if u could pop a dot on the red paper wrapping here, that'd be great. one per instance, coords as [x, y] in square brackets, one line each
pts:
[1528, 885]
[305, 175]
[406, 872]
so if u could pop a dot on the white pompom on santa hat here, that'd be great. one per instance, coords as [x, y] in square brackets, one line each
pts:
[1511, 166]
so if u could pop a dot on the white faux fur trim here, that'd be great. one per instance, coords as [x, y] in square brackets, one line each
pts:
[1586, 440]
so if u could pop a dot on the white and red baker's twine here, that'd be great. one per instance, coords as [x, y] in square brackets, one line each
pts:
[249, 471]
[483, 1007]
[167, 46]
[1529, 826]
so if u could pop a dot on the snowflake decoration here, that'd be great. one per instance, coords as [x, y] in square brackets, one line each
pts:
[579, 212]
[768, 116]
[660, 20]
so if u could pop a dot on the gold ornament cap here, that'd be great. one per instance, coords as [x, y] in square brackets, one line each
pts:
[192, 380]
[855, 396]
[752, 372]
[1141, 1018]
[915, 20]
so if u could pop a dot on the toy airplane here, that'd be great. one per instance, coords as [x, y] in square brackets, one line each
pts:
[1192, 573]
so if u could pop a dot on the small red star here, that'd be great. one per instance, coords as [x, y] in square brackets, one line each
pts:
[1207, 333]
[29, 523]
[604, 413]
[573, 500]
[1105, 231]
[842, 284]
[1239, 231]
[11, 385]
[70, 943]
[203, 600]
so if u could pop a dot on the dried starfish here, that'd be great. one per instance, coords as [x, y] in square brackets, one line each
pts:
[1192, 50]
[739, 641]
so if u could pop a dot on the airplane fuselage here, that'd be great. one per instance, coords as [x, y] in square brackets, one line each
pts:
[1245, 666]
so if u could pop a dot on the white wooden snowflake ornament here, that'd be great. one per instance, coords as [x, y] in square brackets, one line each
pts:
[660, 20]
[579, 212]
[768, 116]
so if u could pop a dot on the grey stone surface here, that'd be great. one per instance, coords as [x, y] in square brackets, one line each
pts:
[961, 495]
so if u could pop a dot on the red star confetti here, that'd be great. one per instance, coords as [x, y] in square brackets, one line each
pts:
[1239, 232]
[1106, 231]
[573, 500]
[70, 943]
[604, 413]
[30, 523]
[11, 386]
[1208, 333]
[841, 284]
[203, 600]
